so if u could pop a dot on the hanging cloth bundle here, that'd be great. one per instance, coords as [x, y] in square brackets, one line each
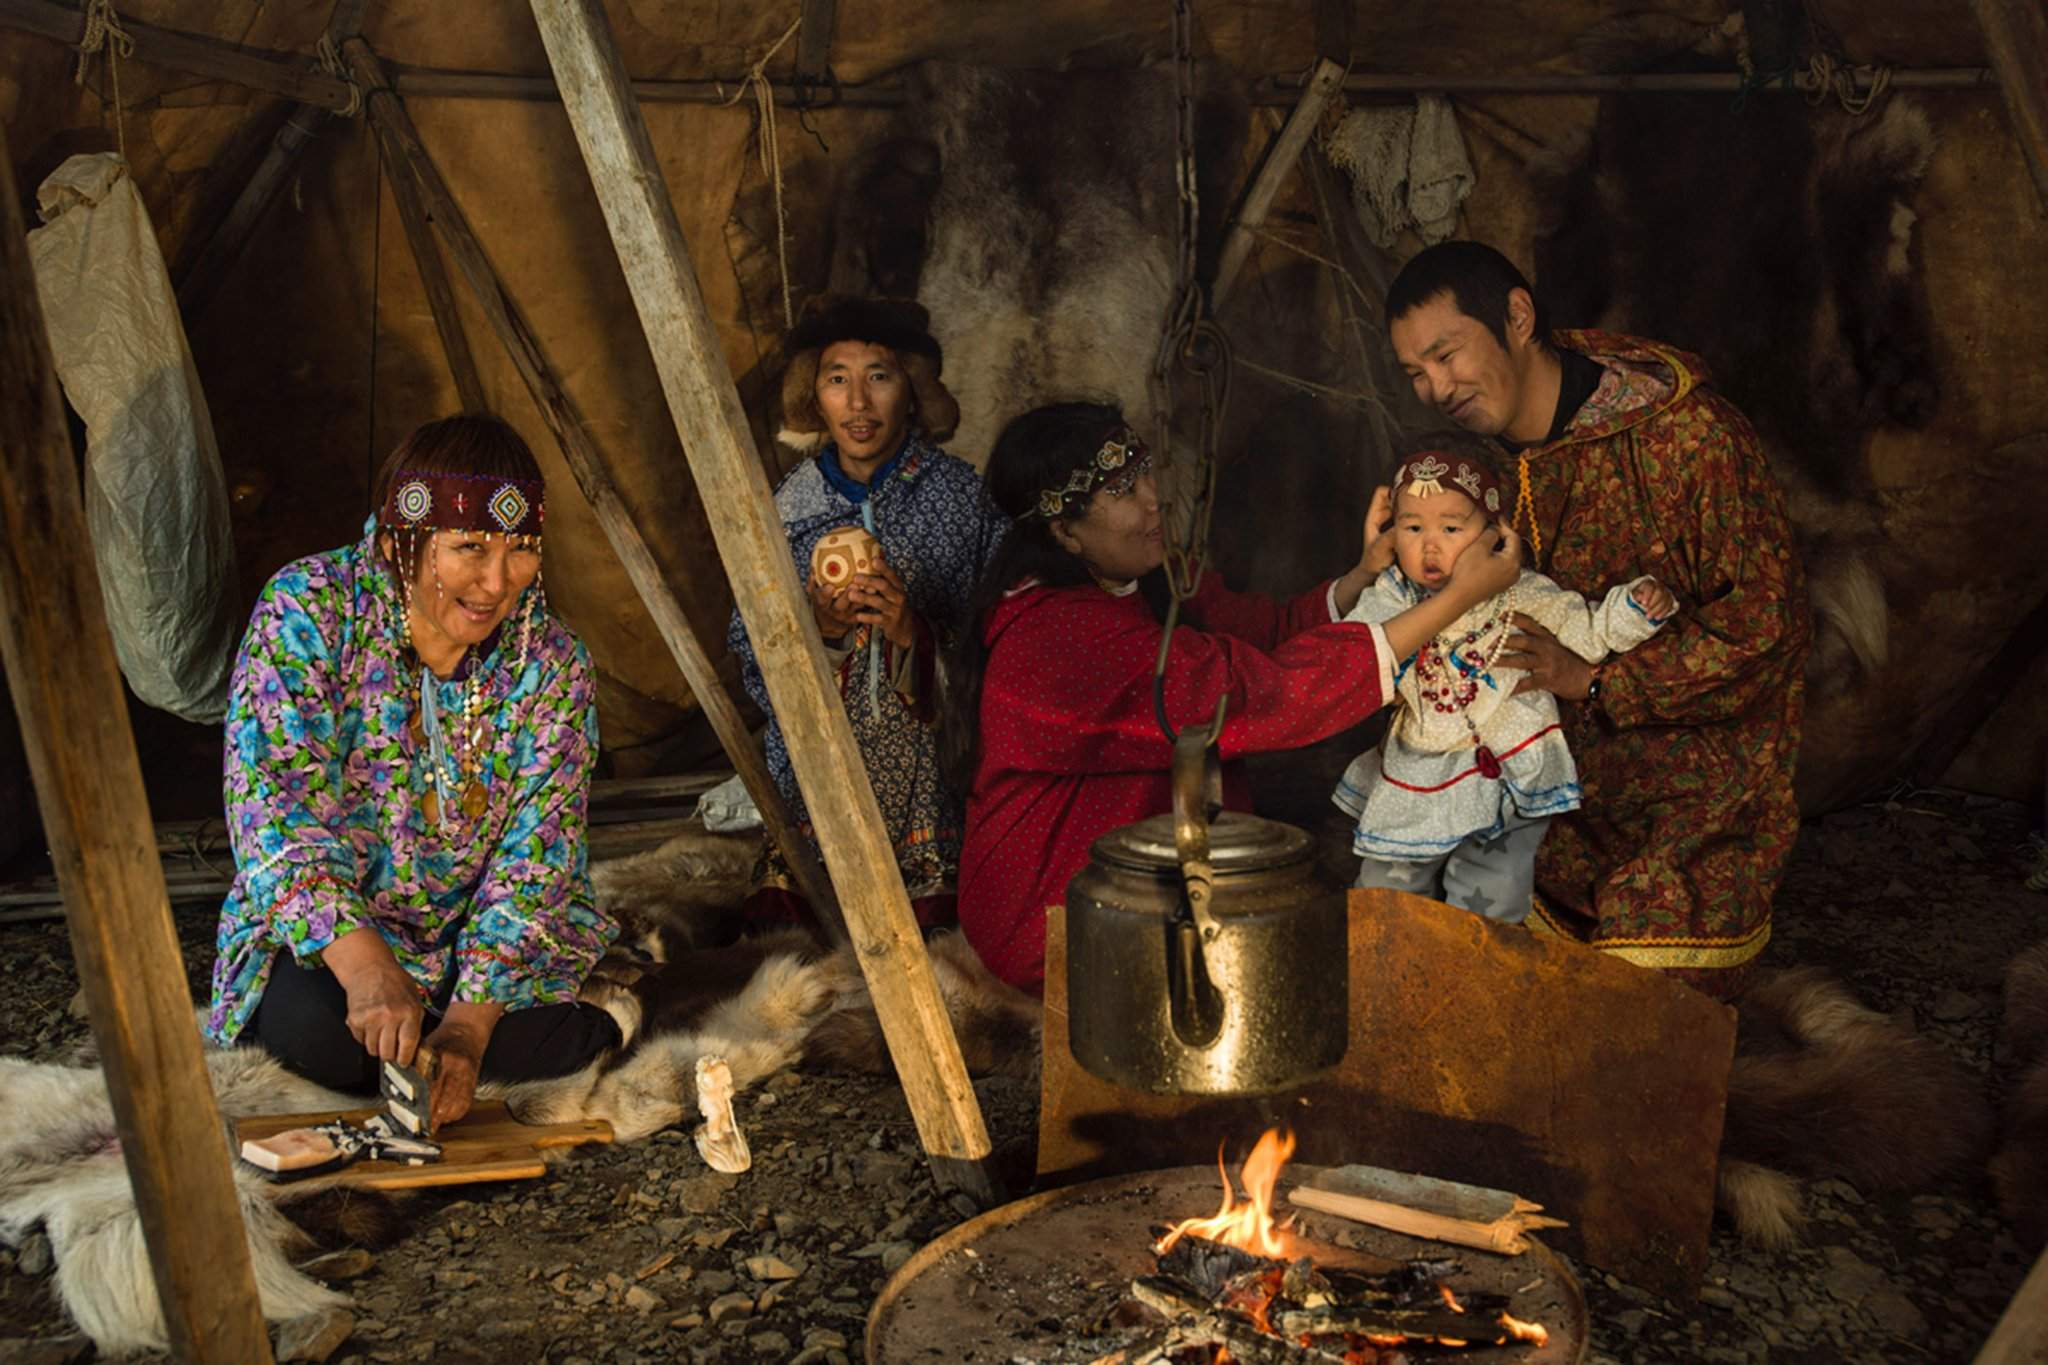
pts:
[156, 503]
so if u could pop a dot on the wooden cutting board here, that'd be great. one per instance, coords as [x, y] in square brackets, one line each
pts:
[486, 1144]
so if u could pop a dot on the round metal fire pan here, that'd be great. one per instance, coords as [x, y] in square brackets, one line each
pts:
[1025, 1281]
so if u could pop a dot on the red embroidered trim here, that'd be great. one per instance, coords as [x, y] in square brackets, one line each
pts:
[1454, 781]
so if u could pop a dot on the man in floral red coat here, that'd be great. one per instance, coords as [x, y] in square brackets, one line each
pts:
[1626, 462]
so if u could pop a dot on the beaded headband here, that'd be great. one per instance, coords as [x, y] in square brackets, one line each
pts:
[488, 503]
[1422, 475]
[1117, 466]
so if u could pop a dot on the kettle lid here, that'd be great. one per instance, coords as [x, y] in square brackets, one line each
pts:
[1238, 842]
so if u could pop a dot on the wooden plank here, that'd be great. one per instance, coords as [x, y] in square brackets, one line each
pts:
[276, 72]
[88, 780]
[486, 1144]
[426, 83]
[402, 144]
[2021, 1336]
[426, 258]
[1323, 85]
[755, 551]
[1478, 1052]
[1283, 89]
[814, 42]
[2016, 39]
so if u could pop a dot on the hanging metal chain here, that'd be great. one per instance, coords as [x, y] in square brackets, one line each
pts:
[1193, 345]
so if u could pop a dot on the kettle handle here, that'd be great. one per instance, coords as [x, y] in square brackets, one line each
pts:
[1197, 797]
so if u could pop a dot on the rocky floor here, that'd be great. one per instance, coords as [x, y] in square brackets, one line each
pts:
[638, 1252]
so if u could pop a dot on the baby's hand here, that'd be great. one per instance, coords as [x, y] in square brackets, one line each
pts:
[1654, 600]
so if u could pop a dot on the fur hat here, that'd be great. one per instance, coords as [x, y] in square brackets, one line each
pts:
[903, 326]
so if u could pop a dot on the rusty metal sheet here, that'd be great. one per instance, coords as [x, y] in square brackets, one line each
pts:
[1478, 1052]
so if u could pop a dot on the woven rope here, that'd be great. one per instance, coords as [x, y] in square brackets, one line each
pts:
[331, 63]
[103, 30]
[771, 155]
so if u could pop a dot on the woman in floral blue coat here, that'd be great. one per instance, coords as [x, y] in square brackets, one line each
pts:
[409, 741]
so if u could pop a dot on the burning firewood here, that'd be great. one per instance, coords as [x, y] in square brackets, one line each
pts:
[1266, 1310]
[1237, 1281]
[1245, 1340]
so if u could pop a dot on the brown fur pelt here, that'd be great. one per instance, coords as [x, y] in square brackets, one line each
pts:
[684, 894]
[2019, 1172]
[999, 1026]
[1824, 1086]
[1038, 233]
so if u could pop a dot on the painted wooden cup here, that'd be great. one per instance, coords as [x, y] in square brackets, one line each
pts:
[841, 554]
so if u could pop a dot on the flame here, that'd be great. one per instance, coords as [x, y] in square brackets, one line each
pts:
[1247, 1226]
[1526, 1331]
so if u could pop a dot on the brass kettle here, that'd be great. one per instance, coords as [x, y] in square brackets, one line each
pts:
[1204, 957]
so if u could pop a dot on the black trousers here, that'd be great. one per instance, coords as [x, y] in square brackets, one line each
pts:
[302, 1020]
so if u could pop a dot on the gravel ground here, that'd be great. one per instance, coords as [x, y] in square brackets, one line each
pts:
[637, 1253]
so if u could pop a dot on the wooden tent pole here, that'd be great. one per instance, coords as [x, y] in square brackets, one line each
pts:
[403, 146]
[1281, 159]
[224, 247]
[426, 257]
[275, 72]
[751, 542]
[2016, 37]
[74, 724]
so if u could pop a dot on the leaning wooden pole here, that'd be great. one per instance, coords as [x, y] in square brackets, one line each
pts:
[586, 462]
[426, 258]
[67, 694]
[1324, 83]
[2016, 38]
[706, 408]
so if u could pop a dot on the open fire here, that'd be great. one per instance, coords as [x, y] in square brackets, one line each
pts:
[1240, 1286]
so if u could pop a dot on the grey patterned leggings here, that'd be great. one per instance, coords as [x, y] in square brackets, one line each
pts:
[1494, 876]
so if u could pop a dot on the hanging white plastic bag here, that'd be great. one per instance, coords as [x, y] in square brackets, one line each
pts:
[156, 504]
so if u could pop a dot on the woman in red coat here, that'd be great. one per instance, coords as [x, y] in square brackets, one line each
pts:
[1059, 671]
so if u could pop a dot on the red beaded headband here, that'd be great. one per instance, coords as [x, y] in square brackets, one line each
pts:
[464, 502]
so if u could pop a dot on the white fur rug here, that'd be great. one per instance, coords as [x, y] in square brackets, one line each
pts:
[61, 1166]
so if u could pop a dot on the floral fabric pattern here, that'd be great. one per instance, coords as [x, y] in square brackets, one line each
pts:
[324, 780]
[937, 528]
[1686, 760]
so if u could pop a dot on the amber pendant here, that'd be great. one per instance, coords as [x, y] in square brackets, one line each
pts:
[1488, 764]
[430, 805]
[474, 798]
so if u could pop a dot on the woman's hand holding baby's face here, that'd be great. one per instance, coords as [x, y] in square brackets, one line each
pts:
[1379, 534]
[1490, 564]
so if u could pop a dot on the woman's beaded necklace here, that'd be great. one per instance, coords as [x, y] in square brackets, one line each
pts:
[1448, 690]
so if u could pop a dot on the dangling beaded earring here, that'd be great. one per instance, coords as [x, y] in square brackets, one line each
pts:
[408, 554]
[531, 621]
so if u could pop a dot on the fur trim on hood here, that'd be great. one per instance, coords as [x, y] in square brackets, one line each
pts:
[899, 324]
